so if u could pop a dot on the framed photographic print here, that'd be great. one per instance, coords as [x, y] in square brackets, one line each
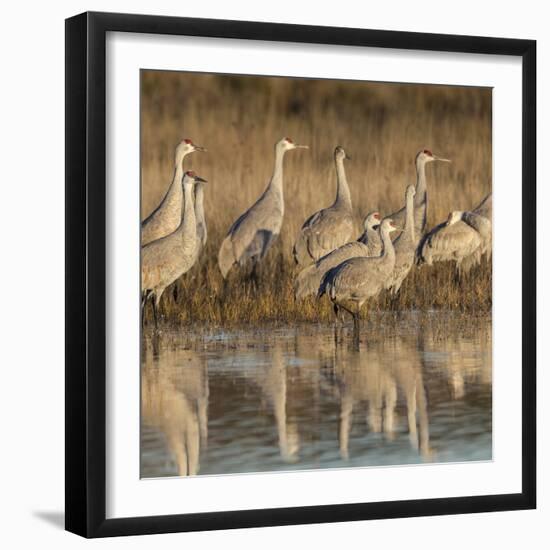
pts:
[289, 298]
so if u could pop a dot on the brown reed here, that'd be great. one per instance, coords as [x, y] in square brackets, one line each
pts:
[381, 126]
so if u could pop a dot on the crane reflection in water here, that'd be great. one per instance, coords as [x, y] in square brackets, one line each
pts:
[289, 399]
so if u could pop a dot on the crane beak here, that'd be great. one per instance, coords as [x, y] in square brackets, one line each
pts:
[199, 179]
[301, 146]
[441, 159]
[199, 148]
[347, 157]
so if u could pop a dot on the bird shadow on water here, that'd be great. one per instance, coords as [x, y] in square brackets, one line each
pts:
[53, 517]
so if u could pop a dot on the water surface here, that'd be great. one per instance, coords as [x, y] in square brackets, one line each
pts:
[307, 397]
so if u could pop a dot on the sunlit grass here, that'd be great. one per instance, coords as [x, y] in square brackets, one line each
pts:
[381, 127]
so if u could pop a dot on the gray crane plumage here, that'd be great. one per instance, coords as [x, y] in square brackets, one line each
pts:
[166, 217]
[405, 245]
[485, 207]
[331, 227]
[202, 232]
[311, 277]
[421, 198]
[371, 234]
[358, 279]
[252, 234]
[464, 238]
[166, 259]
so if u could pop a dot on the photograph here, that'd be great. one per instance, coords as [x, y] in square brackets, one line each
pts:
[316, 274]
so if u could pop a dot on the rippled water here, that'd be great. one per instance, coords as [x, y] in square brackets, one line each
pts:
[219, 402]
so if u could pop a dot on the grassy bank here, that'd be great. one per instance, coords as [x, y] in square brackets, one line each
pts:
[381, 127]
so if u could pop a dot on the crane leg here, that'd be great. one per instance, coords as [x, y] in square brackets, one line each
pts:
[336, 322]
[356, 322]
[154, 301]
[356, 338]
[143, 302]
[394, 298]
[346, 309]
[458, 277]
[356, 325]
[336, 310]
[254, 276]
[145, 296]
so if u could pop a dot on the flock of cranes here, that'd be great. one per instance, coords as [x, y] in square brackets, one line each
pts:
[329, 258]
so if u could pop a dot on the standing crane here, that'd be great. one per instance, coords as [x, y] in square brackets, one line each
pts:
[310, 278]
[331, 227]
[166, 217]
[165, 260]
[252, 234]
[405, 245]
[463, 238]
[356, 280]
[423, 158]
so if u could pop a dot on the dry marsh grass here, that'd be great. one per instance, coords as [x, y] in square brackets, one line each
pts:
[381, 126]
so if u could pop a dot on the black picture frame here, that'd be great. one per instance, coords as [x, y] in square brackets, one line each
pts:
[86, 274]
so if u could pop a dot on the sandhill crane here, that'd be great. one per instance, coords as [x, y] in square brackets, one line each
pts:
[405, 245]
[202, 232]
[165, 260]
[421, 199]
[309, 279]
[358, 279]
[331, 227]
[251, 235]
[463, 238]
[166, 217]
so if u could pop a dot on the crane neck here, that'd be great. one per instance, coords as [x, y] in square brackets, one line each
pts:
[409, 218]
[188, 225]
[199, 202]
[276, 183]
[420, 182]
[343, 195]
[175, 187]
[388, 251]
[372, 234]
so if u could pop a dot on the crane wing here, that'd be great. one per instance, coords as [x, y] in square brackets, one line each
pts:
[356, 278]
[485, 207]
[321, 233]
[312, 220]
[309, 279]
[450, 242]
[258, 246]
[331, 232]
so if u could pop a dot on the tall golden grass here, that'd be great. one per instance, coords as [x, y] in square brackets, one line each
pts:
[381, 126]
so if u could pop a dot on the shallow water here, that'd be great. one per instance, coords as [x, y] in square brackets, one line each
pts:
[305, 397]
